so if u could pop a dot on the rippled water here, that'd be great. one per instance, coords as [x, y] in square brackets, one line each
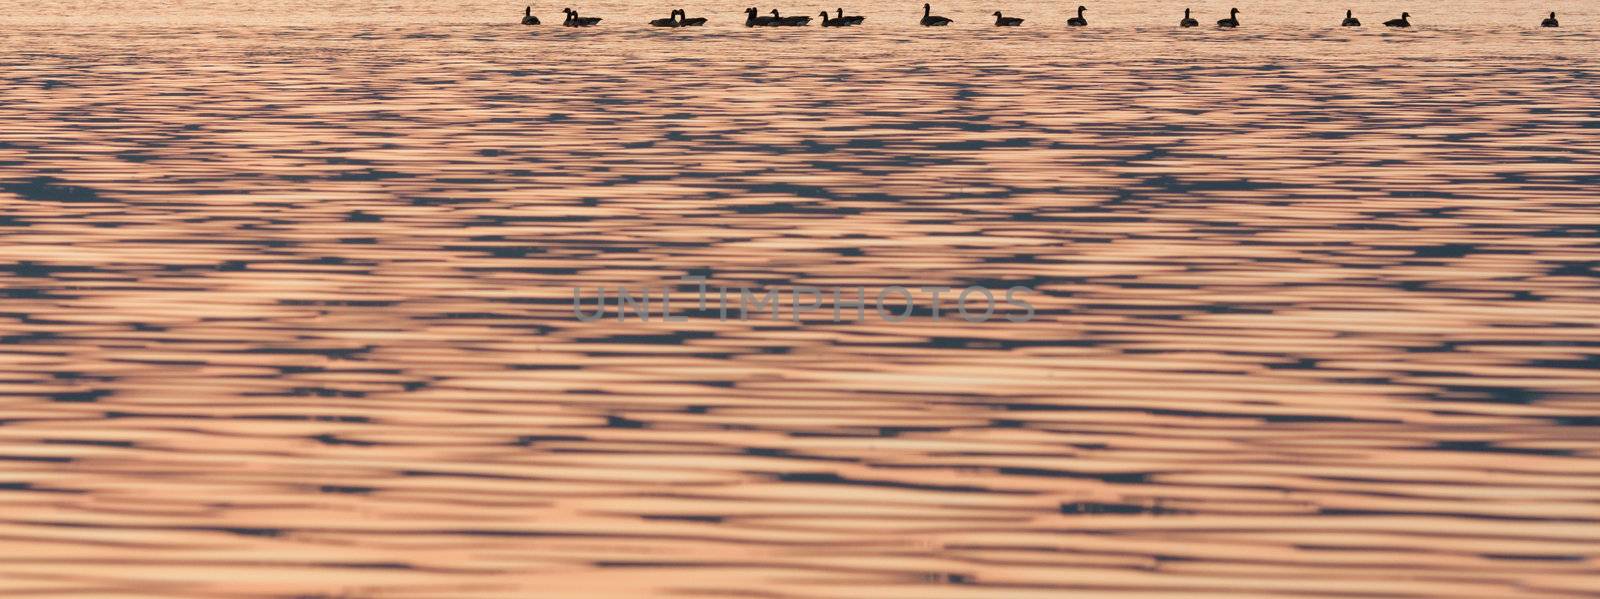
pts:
[287, 303]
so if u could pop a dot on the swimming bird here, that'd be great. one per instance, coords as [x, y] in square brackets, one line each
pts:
[670, 21]
[573, 20]
[1005, 21]
[1400, 22]
[753, 20]
[1187, 20]
[1078, 21]
[1550, 22]
[1231, 21]
[528, 18]
[931, 20]
[841, 21]
[685, 21]
[1350, 20]
[783, 21]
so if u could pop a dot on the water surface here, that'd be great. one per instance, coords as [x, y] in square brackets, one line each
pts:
[287, 303]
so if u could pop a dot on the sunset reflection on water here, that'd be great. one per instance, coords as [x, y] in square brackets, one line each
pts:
[288, 312]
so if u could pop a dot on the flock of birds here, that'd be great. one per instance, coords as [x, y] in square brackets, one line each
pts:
[753, 18]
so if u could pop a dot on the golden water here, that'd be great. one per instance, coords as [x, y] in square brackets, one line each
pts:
[287, 303]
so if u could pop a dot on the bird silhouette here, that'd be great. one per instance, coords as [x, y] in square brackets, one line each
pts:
[1078, 21]
[670, 21]
[754, 20]
[573, 20]
[783, 21]
[1231, 21]
[685, 21]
